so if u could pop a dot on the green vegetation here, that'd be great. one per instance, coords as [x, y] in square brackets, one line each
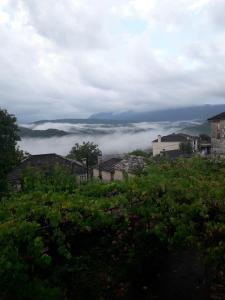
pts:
[55, 179]
[87, 152]
[106, 241]
[186, 147]
[139, 152]
[8, 151]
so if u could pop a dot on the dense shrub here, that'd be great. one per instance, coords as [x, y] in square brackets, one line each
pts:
[106, 241]
[55, 179]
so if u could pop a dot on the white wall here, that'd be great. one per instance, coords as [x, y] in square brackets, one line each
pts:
[158, 147]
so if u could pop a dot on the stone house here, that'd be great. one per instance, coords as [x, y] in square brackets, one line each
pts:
[45, 162]
[172, 142]
[106, 170]
[218, 134]
[118, 168]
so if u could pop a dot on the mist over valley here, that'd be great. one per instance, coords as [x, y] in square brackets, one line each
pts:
[112, 138]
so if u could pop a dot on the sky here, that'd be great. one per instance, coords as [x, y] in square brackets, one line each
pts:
[72, 58]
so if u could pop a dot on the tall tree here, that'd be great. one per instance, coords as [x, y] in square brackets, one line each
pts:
[9, 135]
[87, 152]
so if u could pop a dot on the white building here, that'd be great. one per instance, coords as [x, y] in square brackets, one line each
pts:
[173, 142]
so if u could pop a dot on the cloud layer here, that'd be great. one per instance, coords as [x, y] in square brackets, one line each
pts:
[71, 58]
[112, 139]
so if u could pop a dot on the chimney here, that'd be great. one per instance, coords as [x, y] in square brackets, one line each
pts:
[159, 138]
[99, 159]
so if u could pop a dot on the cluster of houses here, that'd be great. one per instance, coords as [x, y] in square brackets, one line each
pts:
[171, 145]
[117, 168]
[109, 170]
[213, 146]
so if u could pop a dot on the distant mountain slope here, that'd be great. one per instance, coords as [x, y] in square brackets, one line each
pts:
[80, 121]
[98, 131]
[197, 129]
[202, 112]
[26, 132]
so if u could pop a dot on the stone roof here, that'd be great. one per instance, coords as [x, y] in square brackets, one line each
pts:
[51, 155]
[131, 163]
[218, 117]
[109, 165]
[180, 137]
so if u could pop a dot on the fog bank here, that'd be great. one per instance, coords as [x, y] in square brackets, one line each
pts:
[117, 139]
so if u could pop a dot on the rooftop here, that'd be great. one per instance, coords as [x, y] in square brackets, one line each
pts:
[218, 117]
[180, 137]
[131, 163]
[109, 165]
[128, 164]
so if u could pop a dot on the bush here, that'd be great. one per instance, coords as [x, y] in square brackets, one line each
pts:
[106, 241]
[55, 179]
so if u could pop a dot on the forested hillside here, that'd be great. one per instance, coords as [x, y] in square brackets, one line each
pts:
[117, 240]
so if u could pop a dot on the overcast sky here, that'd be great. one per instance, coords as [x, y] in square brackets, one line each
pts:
[71, 58]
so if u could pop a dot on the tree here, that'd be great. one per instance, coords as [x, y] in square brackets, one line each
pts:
[9, 135]
[21, 155]
[186, 147]
[87, 152]
[139, 152]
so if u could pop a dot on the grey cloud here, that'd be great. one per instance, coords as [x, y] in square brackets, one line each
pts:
[216, 13]
[62, 59]
[68, 24]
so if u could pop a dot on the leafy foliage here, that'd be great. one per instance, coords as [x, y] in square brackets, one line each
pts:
[139, 152]
[87, 151]
[57, 179]
[106, 241]
[186, 147]
[8, 150]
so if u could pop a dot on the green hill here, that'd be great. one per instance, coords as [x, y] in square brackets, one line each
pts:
[27, 132]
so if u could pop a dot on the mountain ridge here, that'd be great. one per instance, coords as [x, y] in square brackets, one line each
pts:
[201, 112]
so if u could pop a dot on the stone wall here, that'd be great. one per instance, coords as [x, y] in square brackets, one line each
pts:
[218, 137]
[118, 175]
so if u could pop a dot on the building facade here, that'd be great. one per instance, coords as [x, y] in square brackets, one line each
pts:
[218, 134]
[117, 168]
[105, 170]
[172, 142]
